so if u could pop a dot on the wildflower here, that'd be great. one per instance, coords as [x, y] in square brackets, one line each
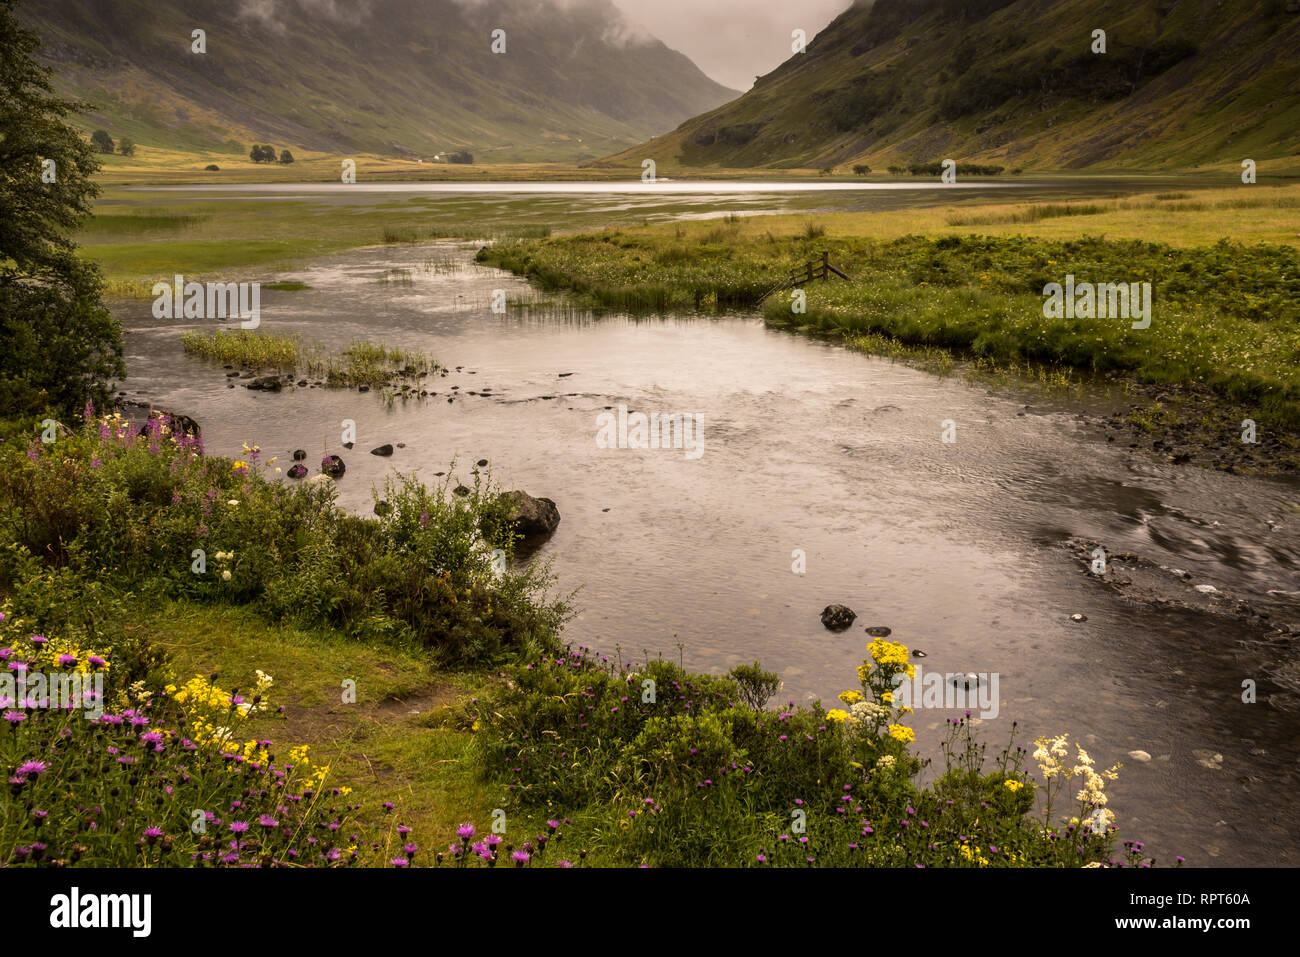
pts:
[32, 769]
[837, 715]
[151, 834]
[520, 858]
[902, 733]
[1012, 785]
[466, 831]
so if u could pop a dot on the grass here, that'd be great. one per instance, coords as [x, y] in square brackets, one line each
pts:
[1226, 314]
[376, 746]
[359, 363]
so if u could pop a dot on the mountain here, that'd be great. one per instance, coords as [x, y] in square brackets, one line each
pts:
[394, 77]
[1016, 83]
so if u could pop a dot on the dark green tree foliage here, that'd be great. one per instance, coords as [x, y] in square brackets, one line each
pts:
[101, 141]
[59, 346]
[286, 157]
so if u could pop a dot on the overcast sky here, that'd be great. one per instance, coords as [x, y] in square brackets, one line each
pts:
[732, 41]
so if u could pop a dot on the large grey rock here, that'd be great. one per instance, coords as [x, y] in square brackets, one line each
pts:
[531, 516]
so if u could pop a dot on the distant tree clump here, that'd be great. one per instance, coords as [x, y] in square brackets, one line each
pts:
[861, 169]
[460, 156]
[212, 167]
[102, 142]
[262, 154]
[59, 346]
[968, 169]
[126, 146]
[286, 157]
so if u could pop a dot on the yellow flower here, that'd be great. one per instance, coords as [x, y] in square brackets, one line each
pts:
[849, 697]
[1012, 785]
[838, 715]
[239, 467]
[902, 733]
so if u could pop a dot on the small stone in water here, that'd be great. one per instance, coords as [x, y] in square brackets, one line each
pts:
[879, 631]
[1139, 756]
[1078, 618]
[918, 653]
[1206, 589]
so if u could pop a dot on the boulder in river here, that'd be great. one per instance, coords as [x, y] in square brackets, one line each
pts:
[529, 515]
[297, 471]
[382, 508]
[333, 466]
[266, 383]
[838, 617]
[382, 450]
[879, 631]
[299, 454]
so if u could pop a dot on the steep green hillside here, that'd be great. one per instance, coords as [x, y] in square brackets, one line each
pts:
[1015, 83]
[392, 77]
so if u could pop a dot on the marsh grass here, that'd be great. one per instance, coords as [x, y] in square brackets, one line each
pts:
[1031, 214]
[360, 363]
[139, 223]
[1226, 315]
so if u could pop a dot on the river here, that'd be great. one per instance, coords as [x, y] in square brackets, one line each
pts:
[960, 548]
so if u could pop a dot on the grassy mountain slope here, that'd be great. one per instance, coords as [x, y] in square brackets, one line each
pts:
[1015, 82]
[392, 77]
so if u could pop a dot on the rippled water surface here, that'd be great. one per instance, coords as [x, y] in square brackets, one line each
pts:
[959, 548]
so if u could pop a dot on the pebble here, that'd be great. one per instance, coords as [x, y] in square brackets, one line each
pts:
[1139, 756]
[1077, 617]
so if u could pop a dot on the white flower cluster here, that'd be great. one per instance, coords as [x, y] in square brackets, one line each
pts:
[868, 712]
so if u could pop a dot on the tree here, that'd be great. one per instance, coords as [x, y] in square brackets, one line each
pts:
[102, 141]
[286, 157]
[126, 146]
[861, 170]
[460, 156]
[59, 346]
[262, 154]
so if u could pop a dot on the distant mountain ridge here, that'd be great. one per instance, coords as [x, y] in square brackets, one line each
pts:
[395, 77]
[1016, 83]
